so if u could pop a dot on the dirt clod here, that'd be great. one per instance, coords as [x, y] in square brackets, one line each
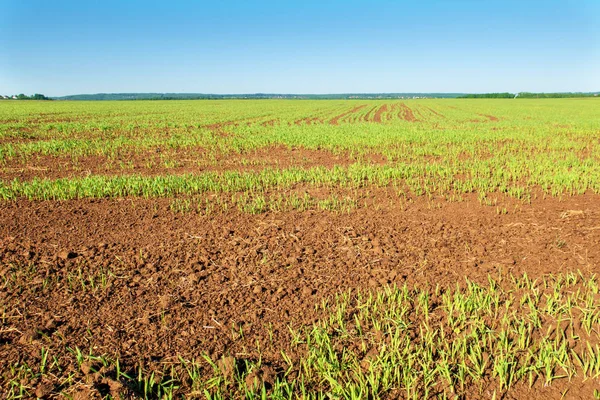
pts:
[43, 390]
[29, 336]
[86, 367]
[66, 255]
[227, 366]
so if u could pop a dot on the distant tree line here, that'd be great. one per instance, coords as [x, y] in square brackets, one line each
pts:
[198, 96]
[21, 96]
[504, 95]
[253, 96]
[527, 95]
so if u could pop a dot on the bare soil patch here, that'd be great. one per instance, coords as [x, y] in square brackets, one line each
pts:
[309, 121]
[367, 116]
[380, 111]
[176, 284]
[490, 117]
[405, 112]
[435, 112]
[335, 120]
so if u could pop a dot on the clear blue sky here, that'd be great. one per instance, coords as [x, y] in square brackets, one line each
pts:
[87, 46]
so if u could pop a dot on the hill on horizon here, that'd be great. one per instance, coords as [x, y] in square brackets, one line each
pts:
[189, 96]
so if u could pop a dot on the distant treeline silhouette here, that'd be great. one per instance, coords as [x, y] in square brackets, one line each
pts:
[255, 96]
[527, 95]
[22, 96]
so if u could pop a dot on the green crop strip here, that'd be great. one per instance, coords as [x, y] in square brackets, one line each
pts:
[395, 342]
[516, 180]
[102, 128]
[446, 147]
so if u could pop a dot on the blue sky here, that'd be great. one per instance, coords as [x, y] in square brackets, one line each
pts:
[67, 47]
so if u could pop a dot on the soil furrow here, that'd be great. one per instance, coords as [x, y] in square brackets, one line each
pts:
[335, 120]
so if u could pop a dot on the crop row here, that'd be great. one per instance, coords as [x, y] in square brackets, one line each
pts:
[395, 342]
[554, 177]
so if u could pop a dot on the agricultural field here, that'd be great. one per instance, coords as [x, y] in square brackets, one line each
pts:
[291, 249]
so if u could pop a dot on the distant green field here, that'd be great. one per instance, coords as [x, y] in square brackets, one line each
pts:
[435, 147]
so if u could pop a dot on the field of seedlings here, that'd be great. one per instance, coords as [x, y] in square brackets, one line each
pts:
[300, 249]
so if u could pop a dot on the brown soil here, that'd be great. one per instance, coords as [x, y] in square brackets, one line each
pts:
[404, 112]
[178, 283]
[490, 117]
[335, 120]
[367, 116]
[270, 122]
[220, 128]
[435, 112]
[179, 161]
[383, 109]
[309, 121]
[408, 114]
